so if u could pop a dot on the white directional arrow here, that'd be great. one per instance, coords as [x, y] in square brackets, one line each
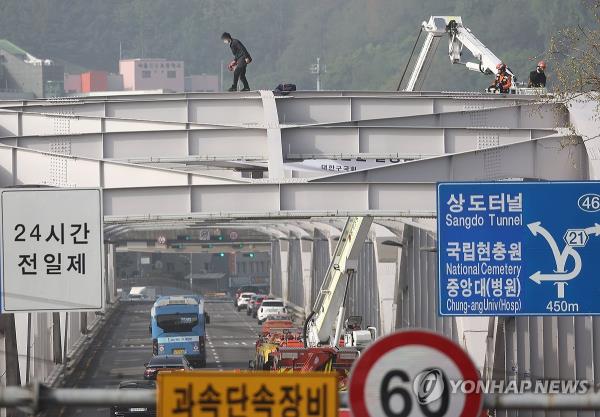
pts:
[538, 277]
[559, 258]
[595, 229]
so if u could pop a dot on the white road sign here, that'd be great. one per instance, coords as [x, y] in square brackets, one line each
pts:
[412, 374]
[52, 250]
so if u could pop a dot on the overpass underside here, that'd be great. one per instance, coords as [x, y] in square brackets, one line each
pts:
[288, 169]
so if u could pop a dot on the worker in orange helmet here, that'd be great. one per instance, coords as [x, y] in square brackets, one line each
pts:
[503, 80]
[537, 78]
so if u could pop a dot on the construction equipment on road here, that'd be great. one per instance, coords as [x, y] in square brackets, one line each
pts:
[328, 341]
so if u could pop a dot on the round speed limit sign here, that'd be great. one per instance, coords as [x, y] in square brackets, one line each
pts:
[414, 373]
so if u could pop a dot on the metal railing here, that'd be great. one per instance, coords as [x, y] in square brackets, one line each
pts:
[37, 397]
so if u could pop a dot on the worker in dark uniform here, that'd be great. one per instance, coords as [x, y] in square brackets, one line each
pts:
[537, 78]
[503, 80]
[241, 58]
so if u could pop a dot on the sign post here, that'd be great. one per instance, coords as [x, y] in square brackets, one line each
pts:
[412, 373]
[200, 393]
[518, 248]
[52, 250]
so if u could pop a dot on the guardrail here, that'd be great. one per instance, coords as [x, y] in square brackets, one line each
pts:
[72, 359]
[37, 398]
[296, 311]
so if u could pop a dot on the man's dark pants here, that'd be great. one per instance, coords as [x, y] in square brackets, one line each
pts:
[240, 74]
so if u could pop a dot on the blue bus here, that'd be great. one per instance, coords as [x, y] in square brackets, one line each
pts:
[177, 327]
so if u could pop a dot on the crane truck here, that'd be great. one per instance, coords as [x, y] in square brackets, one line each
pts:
[459, 37]
[329, 342]
[324, 324]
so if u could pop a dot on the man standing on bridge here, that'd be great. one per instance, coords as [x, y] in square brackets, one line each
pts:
[537, 78]
[241, 58]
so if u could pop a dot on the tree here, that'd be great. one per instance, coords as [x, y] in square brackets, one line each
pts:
[574, 53]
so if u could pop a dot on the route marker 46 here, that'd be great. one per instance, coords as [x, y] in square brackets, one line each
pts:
[409, 374]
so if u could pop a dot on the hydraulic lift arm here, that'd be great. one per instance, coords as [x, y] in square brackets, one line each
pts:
[459, 37]
[331, 300]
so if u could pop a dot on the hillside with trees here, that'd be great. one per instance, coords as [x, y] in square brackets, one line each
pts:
[364, 43]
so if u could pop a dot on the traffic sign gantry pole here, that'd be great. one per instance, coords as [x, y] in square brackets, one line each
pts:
[409, 374]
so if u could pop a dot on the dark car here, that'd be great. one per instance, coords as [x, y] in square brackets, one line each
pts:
[134, 410]
[165, 363]
[254, 304]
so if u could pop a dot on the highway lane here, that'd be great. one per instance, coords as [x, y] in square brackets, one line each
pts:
[125, 345]
[231, 336]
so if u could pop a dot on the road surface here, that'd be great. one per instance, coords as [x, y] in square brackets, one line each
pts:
[125, 345]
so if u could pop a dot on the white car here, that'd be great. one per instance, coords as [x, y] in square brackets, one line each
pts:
[269, 308]
[243, 300]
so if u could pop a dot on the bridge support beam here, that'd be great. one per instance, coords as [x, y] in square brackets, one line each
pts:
[295, 281]
[386, 269]
[306, 258]
[8, 329]
[320, 258]
[57, 351]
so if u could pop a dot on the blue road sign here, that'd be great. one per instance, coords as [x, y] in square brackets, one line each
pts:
[518, 248]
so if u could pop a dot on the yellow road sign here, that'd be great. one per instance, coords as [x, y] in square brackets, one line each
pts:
[245, 394]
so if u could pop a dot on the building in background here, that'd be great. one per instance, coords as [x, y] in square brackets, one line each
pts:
[72, 84]
[152, 74]
[115, 82]
[25, 74]
[92, 81]
[202, 83]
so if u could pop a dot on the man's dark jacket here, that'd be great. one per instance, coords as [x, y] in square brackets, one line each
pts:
[239, 50]
[537, 79]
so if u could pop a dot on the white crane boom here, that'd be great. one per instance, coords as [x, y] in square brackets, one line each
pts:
[330, 303]
[459, 37]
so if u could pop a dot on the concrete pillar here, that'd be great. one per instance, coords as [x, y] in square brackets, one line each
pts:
[83, 328]
[523, 354]
[363, 294]
[283, 255]
[583, 354]
[536, 360]
[8, 328]
[21, 326]
[109, 273]
[401, 291]
[408, 279]
[2, 368]
[550, 327]
[42, 346]
[10, 359]
[295, 292]
[74, 330]
[386, 258]
[566, 354]
[596, 351]
[321, 257]
[279, 268]
[499, 372]
[306, 253]
[56, 339]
